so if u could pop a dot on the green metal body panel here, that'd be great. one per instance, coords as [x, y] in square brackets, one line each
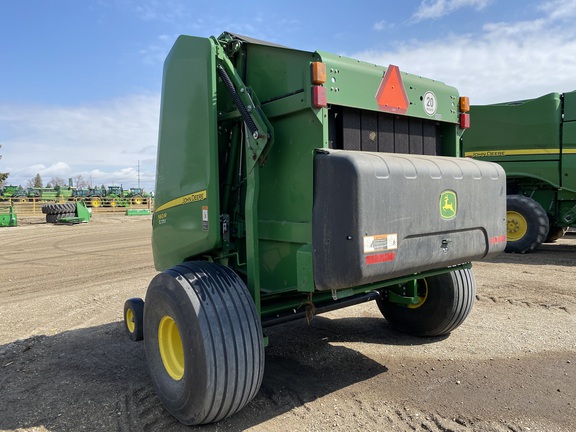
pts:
[83, 215]
[354, 83]
[137, 212]
[535, 142]
[82, 212]
[187, 172]
[225, 196]
[8, 217]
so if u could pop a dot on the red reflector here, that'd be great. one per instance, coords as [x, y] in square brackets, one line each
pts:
[319, 96]
[464, 120]
[498, 239]
[378, 258]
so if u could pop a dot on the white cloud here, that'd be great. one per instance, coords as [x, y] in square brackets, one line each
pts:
[560, 9]
[156, 52]
[168, 11]
[383, 25]
[506, 61]
[432, 9]
[104, 141]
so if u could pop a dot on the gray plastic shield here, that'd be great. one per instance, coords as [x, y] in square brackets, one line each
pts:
[377, 216]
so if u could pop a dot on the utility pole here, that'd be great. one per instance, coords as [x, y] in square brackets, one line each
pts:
[138, 174]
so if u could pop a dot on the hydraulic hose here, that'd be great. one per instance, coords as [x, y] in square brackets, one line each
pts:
[237, 101]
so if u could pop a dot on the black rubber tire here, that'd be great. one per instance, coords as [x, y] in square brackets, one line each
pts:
[134, 312]
[536, 220]
[449, 300]
[555, 233]
[221, 341]
[53, 218]
[59, 208]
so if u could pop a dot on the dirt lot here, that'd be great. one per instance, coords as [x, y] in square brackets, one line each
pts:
[66, 364]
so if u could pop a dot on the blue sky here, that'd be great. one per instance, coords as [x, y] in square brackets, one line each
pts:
[80, 80]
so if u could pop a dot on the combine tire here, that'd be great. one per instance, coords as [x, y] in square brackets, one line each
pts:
[134, 318]
[59, 208]
[526, 222]
[53, 218]
[137, 200]
[445, 302]
[203, 342]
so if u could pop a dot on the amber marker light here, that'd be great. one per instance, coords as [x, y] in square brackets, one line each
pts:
[318, 73]
[464, 104]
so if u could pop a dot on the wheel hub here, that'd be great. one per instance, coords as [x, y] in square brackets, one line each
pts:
[516, 226]
[170, 347]
[421, 292]
[130, 323]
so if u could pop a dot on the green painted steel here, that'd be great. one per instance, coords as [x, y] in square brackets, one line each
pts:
[82, 212]
[83, 215]
[235, 169]
[187, 211]
[8, 217]
[137, 212]
[535, 142]
[354, 83]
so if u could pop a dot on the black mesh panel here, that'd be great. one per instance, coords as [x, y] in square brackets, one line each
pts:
[355, 129]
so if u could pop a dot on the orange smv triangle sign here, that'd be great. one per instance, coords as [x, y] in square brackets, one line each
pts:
[391, 95]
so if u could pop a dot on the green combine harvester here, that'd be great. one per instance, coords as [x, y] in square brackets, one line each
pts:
[291, 183]
[535, 142]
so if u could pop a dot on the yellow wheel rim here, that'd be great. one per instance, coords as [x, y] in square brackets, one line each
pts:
[130, 320]
[171, 349]
[516, 226]
[422, 292]
[138, 200]
[96, 202]
[113, 203]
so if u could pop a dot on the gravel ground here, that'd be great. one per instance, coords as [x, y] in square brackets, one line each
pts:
[66, 364]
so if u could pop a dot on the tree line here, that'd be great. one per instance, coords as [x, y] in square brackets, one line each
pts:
[3, 176]
[77, 181]
[55, 182]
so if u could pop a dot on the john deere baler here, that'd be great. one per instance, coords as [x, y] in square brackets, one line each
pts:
[290, 183]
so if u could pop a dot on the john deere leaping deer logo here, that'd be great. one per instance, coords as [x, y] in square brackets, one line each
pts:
[448, 204]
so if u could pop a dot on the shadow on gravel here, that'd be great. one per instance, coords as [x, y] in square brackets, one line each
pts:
[557, 254]
[97, 379]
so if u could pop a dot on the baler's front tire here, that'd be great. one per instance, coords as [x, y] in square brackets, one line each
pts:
[526, 224]
[134, 318]
[445, 302]
[204, 342]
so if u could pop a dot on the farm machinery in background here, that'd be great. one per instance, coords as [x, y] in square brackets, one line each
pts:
[113, 196]
[534, 141]
[67, 213]
[20, 194]
[8, 216]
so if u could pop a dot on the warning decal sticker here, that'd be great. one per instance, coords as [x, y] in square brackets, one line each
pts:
[205, 218]
[379, 243]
